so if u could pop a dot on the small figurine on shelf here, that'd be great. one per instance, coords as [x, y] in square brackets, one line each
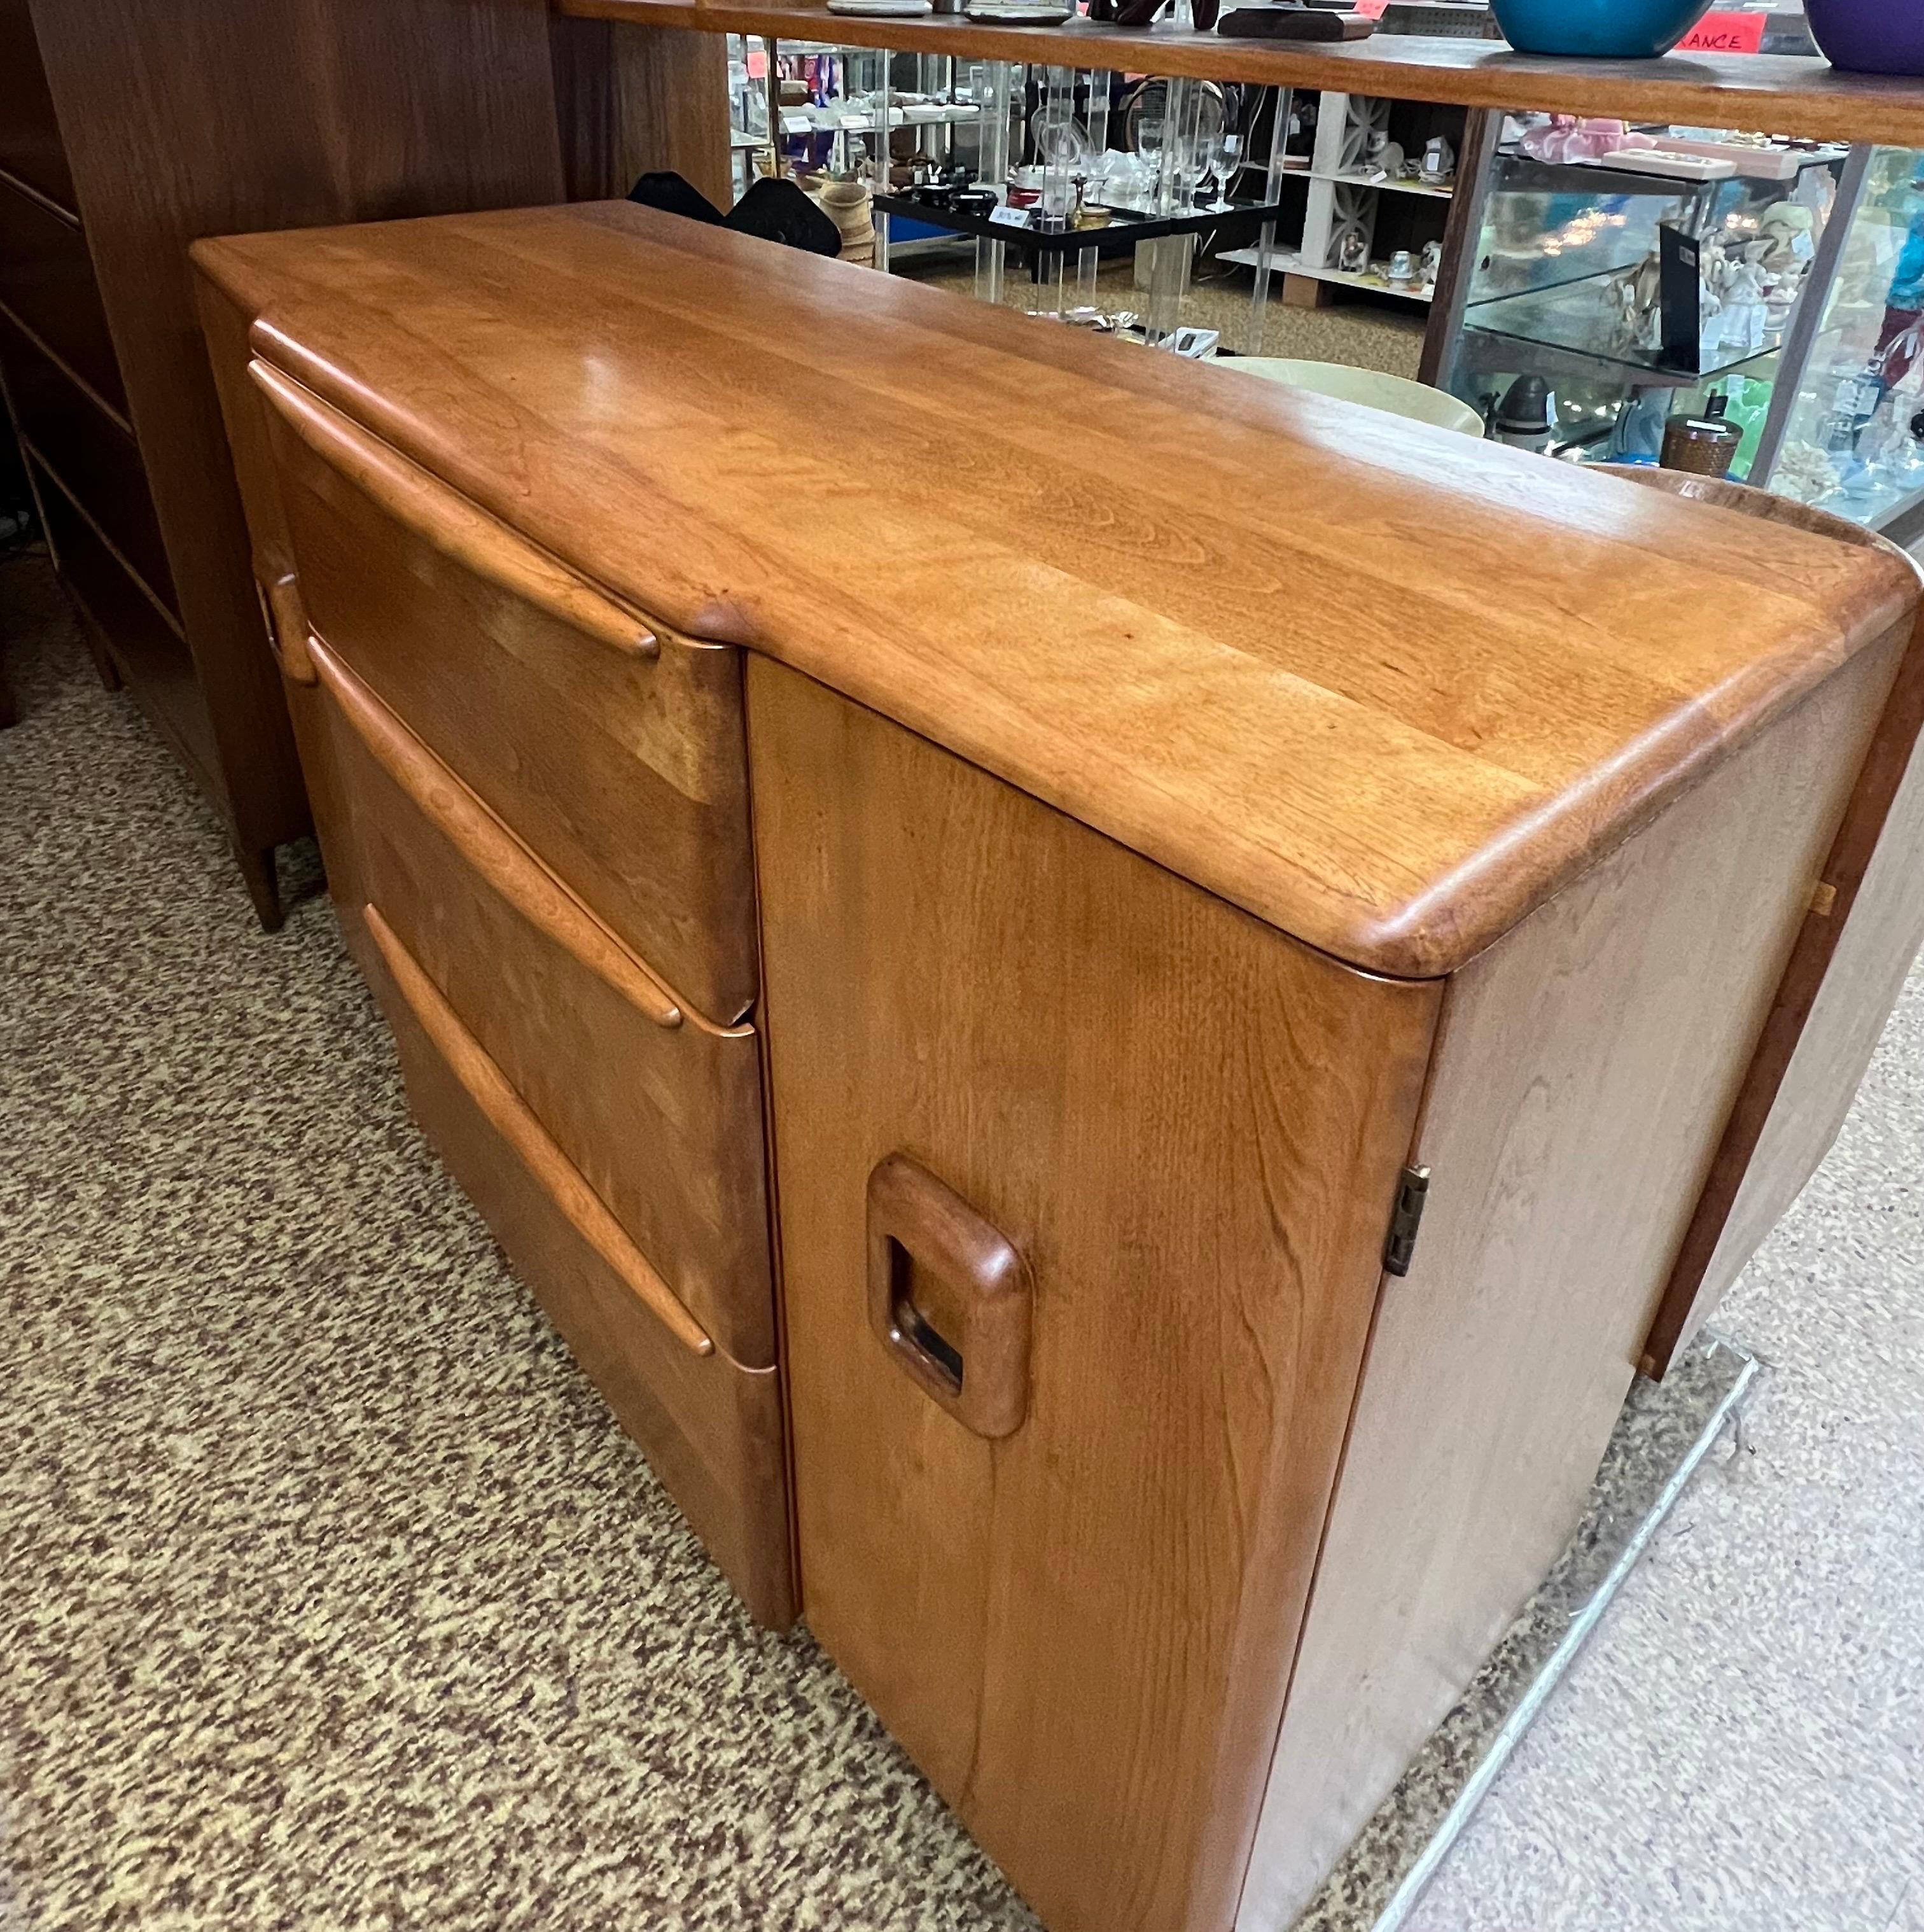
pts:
[1804, 473]
[1744, 320]
[1636, 298]
[1438, 164]
[1786, 232]
[1566, 138]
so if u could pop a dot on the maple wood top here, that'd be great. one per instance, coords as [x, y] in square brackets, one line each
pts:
[1771, 94]
[1384, 686]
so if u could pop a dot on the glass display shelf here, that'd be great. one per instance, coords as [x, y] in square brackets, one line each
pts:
[1580, 319]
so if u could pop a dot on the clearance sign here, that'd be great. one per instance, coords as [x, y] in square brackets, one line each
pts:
[1725, 34]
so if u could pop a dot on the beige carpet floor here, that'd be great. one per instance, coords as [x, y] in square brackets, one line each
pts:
[1362, 333]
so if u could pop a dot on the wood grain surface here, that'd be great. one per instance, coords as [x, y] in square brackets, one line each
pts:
[1191, 1130]
[1856, 944]
[1583, 1070]
[712, 1429]
[1389, 701]
[631, 100]
[1774, 94]
[664, 1121]
[511, 1118]
[185, 117]
[31, 149]
[616, 755]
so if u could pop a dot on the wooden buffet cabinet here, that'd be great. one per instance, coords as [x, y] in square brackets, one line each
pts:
[944, 883]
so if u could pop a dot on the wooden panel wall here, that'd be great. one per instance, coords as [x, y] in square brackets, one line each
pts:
[635, 98]
[185, 117]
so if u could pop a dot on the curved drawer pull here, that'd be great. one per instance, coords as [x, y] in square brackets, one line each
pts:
[475, 832]
[287, 627]
[509, 1114]
[451, 523]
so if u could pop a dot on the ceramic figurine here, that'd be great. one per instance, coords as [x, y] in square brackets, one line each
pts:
[1439, 160]
[1744, 320]
[1804, 473]
[1566, 138]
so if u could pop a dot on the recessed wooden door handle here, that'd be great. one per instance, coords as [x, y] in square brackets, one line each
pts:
[948, 1296]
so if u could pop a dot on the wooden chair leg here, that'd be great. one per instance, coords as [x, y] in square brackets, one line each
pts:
[257, 869]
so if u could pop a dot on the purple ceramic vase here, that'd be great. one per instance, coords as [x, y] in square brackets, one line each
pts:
[1869, 36]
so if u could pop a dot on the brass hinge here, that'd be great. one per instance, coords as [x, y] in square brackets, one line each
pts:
[1413, 1190]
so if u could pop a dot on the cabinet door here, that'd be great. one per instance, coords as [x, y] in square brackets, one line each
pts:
[1188, 1130]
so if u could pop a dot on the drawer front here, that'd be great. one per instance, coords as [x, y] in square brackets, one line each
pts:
[46, 280]
[659, 1111]
[711, 1430]
[92, 455]
[616, 756]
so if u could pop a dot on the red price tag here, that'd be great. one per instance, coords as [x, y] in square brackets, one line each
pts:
[1371, 10]
[1725, 34]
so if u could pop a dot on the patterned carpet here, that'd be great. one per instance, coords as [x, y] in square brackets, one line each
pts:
[330, 1594]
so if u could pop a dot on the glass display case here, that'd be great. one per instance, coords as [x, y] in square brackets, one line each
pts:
[1852, 434]
[1608, 291]
[1803, 324]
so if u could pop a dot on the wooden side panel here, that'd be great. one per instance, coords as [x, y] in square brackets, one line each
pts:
[634, 98]
[1858, 944]
[1875, 953]
[244, 413]
[187, 118]
[1585, 1067]
[1191, 1129]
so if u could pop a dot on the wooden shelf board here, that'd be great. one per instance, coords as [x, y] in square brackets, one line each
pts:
[1771, 94]
[1288, 264]
[1431, 190]
[66, 369]
[162, 609]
